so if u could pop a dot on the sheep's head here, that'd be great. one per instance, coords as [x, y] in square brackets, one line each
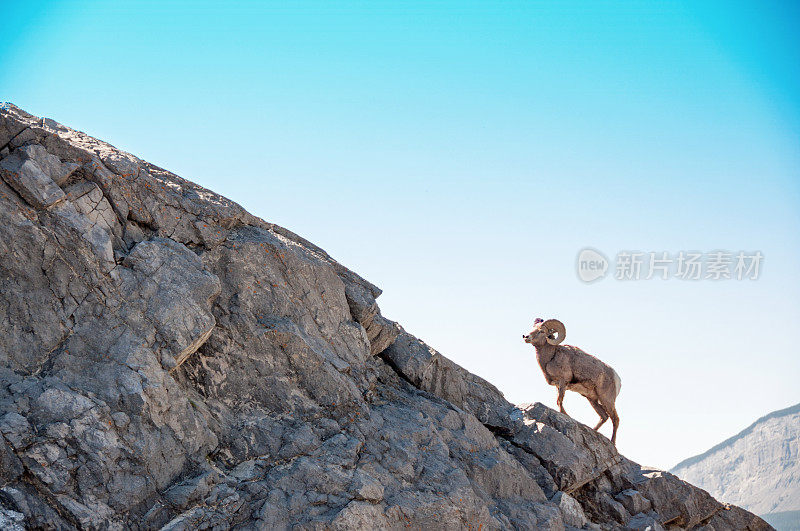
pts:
[551, 331]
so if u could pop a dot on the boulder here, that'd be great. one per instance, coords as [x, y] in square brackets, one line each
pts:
[571, 510]
[633, 501]
[427, 369]
[49, 164]
[29, 180]
[173, 291]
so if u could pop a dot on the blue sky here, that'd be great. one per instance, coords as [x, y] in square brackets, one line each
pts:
[460, 154]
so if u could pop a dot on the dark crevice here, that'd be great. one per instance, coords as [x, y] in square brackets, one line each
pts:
[143, 225]
[386, 359]
[500, 431]
[29, 478]
[707, 519]
[13, 137]
[506, 436]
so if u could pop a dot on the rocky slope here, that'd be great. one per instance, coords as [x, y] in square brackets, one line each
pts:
[758, 468]
[168, 360]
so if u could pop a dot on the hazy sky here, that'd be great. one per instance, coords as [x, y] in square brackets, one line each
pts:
[460, 155]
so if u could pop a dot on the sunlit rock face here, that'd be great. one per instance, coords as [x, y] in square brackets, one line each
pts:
[758, 468]
[168, 360]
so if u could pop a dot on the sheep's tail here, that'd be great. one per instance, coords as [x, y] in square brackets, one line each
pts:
[617, 382]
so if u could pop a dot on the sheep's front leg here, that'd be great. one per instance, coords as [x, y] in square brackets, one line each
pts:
[560, 400]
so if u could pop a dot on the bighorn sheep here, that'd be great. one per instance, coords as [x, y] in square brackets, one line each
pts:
[568, 367]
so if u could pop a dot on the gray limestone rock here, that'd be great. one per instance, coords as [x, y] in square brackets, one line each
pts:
[570, 509]
[633, 501]
[51, 165]
[169, 361]
[169, 285]
[29, 180]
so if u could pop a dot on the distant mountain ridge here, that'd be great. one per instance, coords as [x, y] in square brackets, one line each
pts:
[729, 441]
[758, 468]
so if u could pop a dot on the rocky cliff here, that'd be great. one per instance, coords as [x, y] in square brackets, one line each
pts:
[758, 468]
[168, 360]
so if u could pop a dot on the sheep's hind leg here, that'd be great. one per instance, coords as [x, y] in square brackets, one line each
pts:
[611, 410]
[560, 400]
[615, 422]
[600, 411]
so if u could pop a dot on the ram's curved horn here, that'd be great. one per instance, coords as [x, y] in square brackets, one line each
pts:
[556, 326]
